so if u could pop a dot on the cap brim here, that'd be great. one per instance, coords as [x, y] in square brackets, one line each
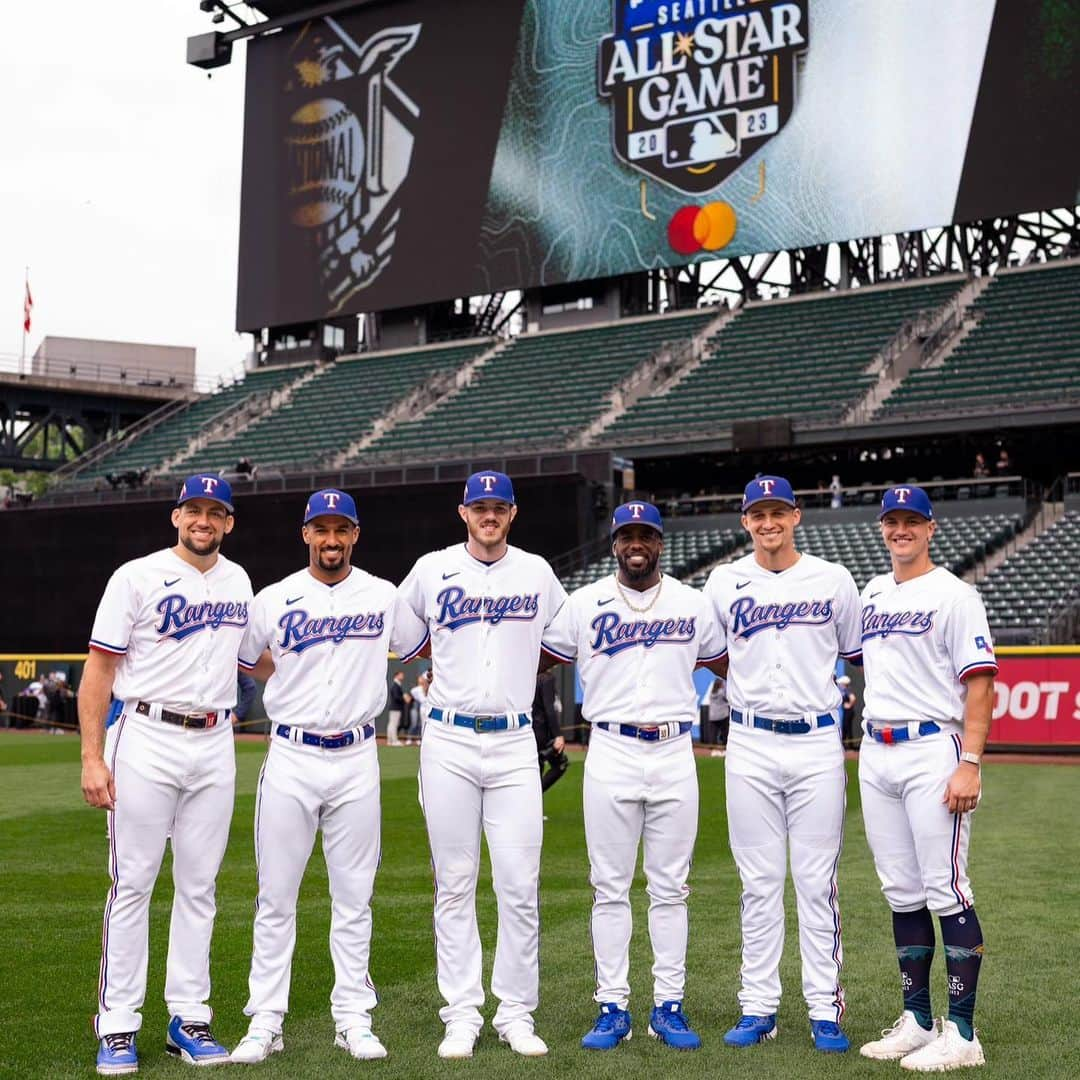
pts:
[209, 498]
[769, 498]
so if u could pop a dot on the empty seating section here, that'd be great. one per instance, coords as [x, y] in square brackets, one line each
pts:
[685, 553]
[541, 387]
[334, 409]
[1025, 349]
[173, 435]
[958, 543]
[804, 359]
[1038, 582]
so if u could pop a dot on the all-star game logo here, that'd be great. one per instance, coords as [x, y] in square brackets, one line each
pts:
[348, 149]
[697, 86]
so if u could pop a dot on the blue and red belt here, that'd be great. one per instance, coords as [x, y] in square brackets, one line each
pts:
[902, 733]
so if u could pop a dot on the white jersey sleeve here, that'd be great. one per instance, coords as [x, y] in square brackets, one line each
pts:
[849, 620]
[116, 613]
[409, 633]
[258, 634]
[712, 642]
[967, 637]
[561, 634]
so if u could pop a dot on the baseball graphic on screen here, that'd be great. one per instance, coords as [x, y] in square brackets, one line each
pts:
[325, 160]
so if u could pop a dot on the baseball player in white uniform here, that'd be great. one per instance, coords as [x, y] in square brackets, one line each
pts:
[636, 638]
[927, 706]
[787, 616]
[165, 642]
[485, 604]
[327, 629]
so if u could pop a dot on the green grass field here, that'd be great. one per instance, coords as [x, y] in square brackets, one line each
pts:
[1026, 852]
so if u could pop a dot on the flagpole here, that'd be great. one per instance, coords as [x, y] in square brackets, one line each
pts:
[26, 292]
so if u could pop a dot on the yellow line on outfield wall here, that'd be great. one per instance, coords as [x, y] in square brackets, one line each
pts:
[42, 656]
[1037, 650]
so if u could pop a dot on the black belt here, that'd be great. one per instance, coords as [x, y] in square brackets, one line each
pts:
[325, 742]
[900, 734]
[185, 720]
[785, 727]
[489, 722]
[654, 733]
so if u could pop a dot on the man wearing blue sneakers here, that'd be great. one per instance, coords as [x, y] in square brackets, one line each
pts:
[637, 638]
[786, 618]
[164, 644]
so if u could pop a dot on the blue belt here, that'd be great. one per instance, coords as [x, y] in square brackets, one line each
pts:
[647, 734]
[487, 722]
[899, 734]
[325, 742]
[785, 727]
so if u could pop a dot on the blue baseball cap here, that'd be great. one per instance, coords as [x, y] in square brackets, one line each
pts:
[637, 513]
[907, 497]
[206, 486]
[771, 488]
[331, 501]
[488, 485]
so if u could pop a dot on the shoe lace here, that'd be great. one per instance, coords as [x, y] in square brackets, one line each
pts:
[120, 1042]
[827, 1027]
[747, 1022]
[608, 1020]
[199, 1033]
[675, 1021]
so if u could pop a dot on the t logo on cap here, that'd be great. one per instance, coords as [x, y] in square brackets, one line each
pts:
[209, 484]
[636, 510]
[766, 486]
[331, 498]
[901, 495]
[489, 482]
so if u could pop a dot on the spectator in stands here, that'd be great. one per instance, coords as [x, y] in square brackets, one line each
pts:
[1003, 464]
[719, 713]
[399, 702]
[981, 469]
[59, 703]
[245, 467]
[837, 491]
[848, 728]
[416, 707]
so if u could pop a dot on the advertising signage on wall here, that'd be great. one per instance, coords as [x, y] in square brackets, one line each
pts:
[417, 150]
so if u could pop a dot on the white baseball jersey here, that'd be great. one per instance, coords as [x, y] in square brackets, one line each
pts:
[920, 639]
[329, 645]
[636, 667]
[784, 631]
[486, 622]
[178, 630]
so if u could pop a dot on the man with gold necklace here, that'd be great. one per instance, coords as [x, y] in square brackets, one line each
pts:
[636, 638]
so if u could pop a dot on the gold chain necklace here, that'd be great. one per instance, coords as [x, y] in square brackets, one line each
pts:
[626, 600]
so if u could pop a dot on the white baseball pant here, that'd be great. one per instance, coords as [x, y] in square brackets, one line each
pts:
[638, 791]
[488, 781]
[303, 789]
[174, 784]
[788, 790]
[393, 727]
[920, 850]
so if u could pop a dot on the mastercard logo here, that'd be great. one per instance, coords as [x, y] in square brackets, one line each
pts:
[702, 228]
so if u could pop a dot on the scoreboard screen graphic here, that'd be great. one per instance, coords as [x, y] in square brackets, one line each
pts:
[416, 150]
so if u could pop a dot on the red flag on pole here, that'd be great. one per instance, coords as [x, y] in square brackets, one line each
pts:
[28, 307]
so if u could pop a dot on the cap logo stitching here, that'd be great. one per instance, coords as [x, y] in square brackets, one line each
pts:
[636, 510]
[331, 498]
[901, 494]
[209, 483]
[488, 482]
[766, 486]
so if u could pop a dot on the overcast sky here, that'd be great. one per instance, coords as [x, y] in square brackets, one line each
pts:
[119, 179]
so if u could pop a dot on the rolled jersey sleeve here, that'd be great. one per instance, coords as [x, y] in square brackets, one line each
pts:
[116, 615]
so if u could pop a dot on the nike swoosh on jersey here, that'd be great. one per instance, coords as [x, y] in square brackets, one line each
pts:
[601, 603]
[170, 584]
[294, 599]
[742, 584]
[447, 577]
[873, 594]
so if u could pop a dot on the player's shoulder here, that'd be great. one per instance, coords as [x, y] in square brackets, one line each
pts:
[431, 561]
[947, 584]
[819, 567]
[289, 585]
[726, 573]
[588, 595]
[226, 568]
[681, 592]
[362, 581]
[161, 560]
[876, 585]
[519, 557]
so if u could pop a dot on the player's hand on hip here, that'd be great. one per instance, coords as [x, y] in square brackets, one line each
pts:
[963, 789]
[98, 786]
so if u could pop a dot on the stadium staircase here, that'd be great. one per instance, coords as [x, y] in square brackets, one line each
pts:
[656, 375]
[805, 357]
[1024, 350]
[542, 389]
[330, 411]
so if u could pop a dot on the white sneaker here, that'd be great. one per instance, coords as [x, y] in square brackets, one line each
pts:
[458, 1042]
[257, 1045]
[950, 1050]
[361, 1042]
[905, 1036]
[523, 1040]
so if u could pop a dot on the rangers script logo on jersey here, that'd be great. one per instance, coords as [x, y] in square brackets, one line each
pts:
[612, 634]
[882, 624]
[748, 617]
[697, 86]
[299, 632]
[180, 620]
[456, 609]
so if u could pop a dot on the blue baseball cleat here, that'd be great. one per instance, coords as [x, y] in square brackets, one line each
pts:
[611, 1027]
[116, 1054]
[193, 1044]
[668, 1023]
[751, 1030]
[828, 1037]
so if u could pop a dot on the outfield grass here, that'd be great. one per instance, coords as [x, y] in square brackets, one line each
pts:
[1026, 854]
